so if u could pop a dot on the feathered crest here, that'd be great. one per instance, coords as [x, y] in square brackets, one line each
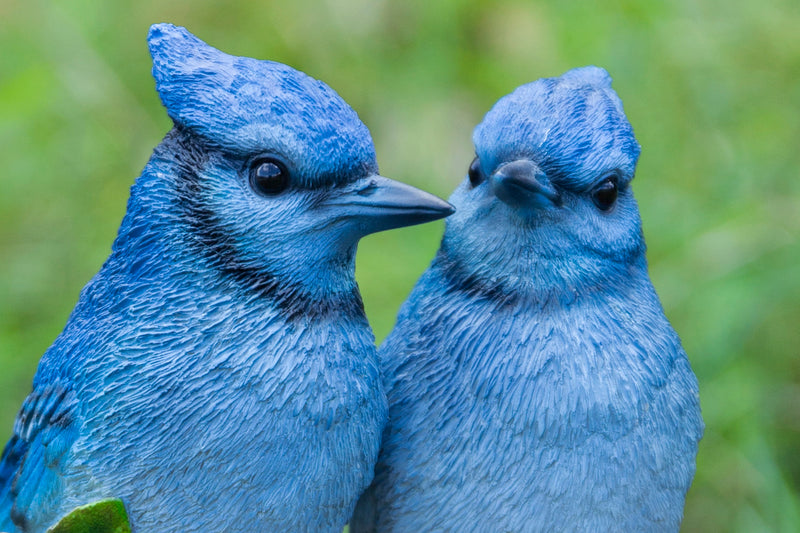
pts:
[573, 125]
[247, 105]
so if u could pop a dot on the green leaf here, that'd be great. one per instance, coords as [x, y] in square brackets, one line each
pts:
[104, 516]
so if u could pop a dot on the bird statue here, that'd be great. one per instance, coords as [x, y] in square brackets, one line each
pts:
[534, 383]
[219, 373]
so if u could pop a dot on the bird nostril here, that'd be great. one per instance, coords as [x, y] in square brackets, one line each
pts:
[368, 189]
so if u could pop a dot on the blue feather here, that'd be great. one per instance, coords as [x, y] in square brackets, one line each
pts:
[218, 373]
[534, 383]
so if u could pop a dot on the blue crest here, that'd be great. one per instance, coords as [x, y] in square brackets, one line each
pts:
[573, 123]
[245, 105]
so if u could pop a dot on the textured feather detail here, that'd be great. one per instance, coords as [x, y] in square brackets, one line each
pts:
[31, 467]
[243, 105]
[534, 383]
[218, 373]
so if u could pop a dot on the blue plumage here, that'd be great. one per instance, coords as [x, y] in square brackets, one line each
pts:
[218, 373]
[534, 383]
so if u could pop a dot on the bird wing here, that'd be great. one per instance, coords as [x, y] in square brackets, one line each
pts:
[30, 467]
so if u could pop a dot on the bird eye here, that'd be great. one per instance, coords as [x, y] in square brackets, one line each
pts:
[475, 174]
[605, 194]
[268, 177]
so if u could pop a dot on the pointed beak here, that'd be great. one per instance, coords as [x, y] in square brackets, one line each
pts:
[376, 204]
[521, 184]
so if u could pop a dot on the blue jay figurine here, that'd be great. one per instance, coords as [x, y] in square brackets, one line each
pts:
[534, 382]
[218, 373]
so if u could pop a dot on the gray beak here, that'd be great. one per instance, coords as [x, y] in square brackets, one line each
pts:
[376, 204]
[521, 184]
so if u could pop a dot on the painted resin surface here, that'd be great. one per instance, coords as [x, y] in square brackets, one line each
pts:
[218, 373]
[534, 382]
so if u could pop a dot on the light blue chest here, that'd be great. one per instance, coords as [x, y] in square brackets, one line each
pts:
[230, 427]
[549, 420]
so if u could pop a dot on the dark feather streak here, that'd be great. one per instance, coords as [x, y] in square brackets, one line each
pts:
[220, 252]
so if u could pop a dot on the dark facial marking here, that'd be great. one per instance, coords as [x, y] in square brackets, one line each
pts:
[458, 279]
[221, 253]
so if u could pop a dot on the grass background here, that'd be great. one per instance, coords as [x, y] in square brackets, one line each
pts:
[712, 88]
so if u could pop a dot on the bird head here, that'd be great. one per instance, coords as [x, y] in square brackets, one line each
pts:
[273, 173]
[550, 184]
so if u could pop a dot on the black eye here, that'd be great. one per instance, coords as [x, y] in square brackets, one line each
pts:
[268, 177]
[475, 174]
[605, 194]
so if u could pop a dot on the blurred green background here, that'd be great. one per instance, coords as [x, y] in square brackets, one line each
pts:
[712, 88]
